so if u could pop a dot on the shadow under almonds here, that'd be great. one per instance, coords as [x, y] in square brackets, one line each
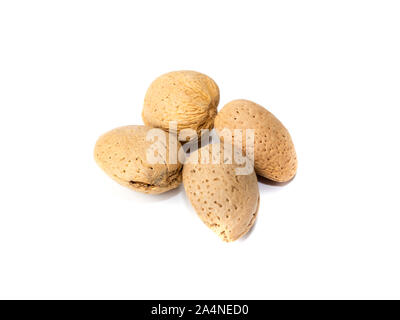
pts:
[167, 195]
[145, 198]
[245, 236]
[266, 185]
[269, 182]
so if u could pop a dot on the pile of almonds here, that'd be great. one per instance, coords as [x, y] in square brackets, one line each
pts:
[227, 202]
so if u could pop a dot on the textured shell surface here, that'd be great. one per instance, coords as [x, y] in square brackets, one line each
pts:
[121, 153]
[226, 202]
[188, 97]
[274, 153]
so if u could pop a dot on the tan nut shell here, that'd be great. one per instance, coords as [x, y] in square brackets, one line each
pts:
[121, 153]
[227, 203]
[274, 152]
[188, 97]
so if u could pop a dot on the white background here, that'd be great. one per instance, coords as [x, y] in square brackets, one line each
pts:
[72, 70]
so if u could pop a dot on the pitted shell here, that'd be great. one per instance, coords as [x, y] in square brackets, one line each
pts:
[274, 153]
[188, 97]
[121, 153]
[226, 202]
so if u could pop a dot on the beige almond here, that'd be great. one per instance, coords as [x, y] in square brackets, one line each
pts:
[274, 153]
[188, 97]
[225, 201]
[121, 153]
